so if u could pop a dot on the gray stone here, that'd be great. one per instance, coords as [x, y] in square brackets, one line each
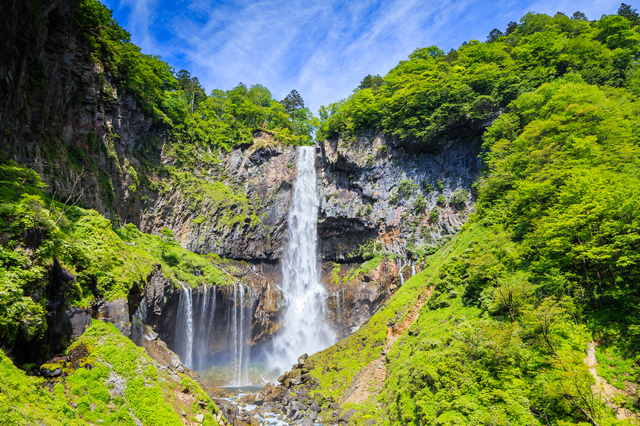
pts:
[200, 418]
[75, 321]
[117, 313]
[51, 370]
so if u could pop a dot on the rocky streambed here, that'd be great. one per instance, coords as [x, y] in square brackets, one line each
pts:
[287, 403]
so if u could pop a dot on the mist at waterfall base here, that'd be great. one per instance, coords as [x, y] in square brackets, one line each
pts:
[305, 329]
[212, 331]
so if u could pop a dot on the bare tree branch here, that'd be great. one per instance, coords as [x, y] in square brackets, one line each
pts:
[66, 206]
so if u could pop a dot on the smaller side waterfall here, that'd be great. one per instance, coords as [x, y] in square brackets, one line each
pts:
[240, 333]
[184, 324]
[204, 340]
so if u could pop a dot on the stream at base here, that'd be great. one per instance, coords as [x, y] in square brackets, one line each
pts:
[266, 418]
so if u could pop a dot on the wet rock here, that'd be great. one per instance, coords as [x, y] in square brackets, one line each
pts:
[157, 292]
[75, 321]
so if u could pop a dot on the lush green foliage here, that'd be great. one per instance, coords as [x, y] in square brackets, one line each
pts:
[83, 395]
[550, 260]
[106, 263]
[431, 94]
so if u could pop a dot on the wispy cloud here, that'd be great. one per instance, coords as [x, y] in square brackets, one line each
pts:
[320, 48]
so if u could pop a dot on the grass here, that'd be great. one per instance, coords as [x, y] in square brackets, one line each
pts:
[150, 392]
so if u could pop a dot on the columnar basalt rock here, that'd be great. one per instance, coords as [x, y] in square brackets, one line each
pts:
[372, 191]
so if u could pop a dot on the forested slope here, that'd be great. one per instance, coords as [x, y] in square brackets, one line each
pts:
[546, 270]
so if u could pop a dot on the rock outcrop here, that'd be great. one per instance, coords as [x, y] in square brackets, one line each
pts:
[372, 192]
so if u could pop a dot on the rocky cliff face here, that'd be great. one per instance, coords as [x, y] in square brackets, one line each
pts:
[372, 192]
[251, 227]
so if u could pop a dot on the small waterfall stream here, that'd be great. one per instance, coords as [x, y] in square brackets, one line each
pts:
[304, 327]
[184, 324]
[195, 330]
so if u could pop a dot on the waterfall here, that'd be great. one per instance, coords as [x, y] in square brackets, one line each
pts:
[304, 327]
[239, 332]
[213, 312]
[204, 321]
[137, 323]
[184, 325]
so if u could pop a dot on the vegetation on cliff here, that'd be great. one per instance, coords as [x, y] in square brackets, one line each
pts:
[221, 119]
[106, 380]
[106, 263]
[434, 95]
[547, 267]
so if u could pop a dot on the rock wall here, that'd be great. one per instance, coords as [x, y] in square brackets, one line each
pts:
[369, 191]
[264, 176]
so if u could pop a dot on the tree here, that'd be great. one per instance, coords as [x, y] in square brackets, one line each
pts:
[511, 27]
[579, 16]
[292, 104]
[427, 53]
[631, 14]
[494, 35]
[372, 82]
[190, 86]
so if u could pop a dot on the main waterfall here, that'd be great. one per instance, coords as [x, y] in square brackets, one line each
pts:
[304, 328]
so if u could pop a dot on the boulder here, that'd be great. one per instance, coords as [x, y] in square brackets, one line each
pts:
[115, 312]
[200, 418]
[346, 416]
[51, 370]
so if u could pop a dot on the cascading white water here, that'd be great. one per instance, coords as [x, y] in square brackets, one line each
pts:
[305, 329]
[184, 324]
[240, 325]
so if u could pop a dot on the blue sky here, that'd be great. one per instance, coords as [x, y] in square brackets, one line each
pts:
[323, 49]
